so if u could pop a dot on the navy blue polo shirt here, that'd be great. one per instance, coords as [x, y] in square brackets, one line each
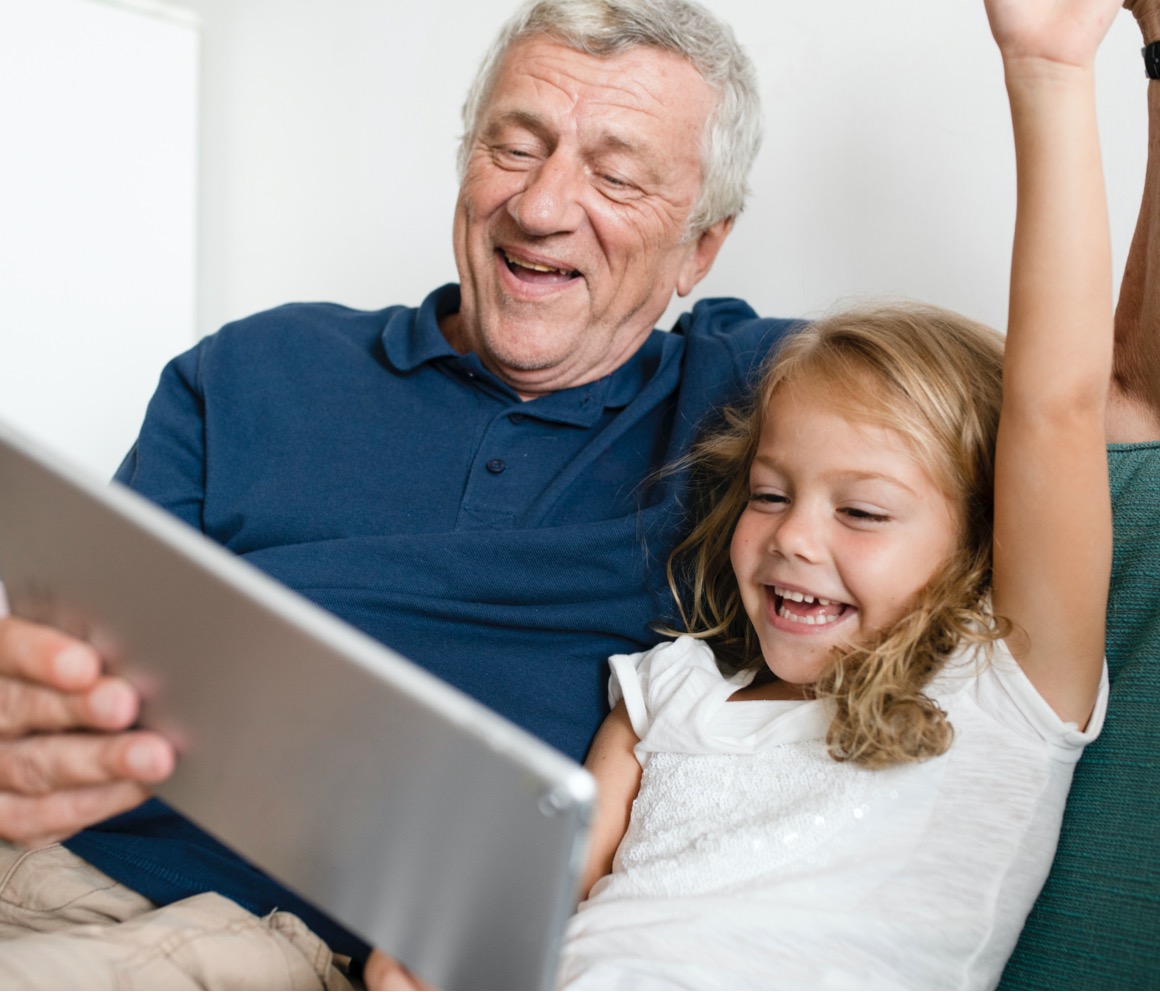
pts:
[509, 547]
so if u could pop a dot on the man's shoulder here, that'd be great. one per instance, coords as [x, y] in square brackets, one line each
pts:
[295, 335]
[304, 342]
[727, 341]
[310, 320]
[732, 326]
[729, 318]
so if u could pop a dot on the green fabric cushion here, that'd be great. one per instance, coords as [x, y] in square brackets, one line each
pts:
[1097, 922]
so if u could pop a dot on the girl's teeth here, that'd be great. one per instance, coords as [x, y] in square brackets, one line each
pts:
[812, 621]
[801, 597]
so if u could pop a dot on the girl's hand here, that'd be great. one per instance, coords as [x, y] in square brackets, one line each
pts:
[384, 972]
[1066, 32]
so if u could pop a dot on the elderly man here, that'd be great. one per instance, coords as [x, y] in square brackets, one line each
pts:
[473, 482]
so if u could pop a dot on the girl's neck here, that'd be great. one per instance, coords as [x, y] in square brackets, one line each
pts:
[771, 690]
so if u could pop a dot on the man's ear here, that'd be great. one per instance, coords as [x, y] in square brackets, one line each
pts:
[700, 259]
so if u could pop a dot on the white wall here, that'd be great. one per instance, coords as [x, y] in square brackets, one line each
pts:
[329, 133]
[97, 215]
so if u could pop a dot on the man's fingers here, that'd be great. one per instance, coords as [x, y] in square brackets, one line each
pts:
[38, 821]
[51, 786]
[25, 707]
[56, 775]
[41, 654]
[39, 765]
[49, 681]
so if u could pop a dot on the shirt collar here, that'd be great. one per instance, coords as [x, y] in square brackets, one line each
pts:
[412, 338]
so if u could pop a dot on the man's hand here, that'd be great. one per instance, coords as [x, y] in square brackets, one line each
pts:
[1147, 14]
[67, 759]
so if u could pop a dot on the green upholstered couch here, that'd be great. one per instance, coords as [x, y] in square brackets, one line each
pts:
[1097, 922]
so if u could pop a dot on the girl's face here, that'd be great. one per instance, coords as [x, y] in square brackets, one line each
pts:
[842, 529]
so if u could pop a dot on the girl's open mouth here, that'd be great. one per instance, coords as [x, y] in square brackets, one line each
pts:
[802, 608]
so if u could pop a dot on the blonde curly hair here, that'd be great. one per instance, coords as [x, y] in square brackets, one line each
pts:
[935, 378]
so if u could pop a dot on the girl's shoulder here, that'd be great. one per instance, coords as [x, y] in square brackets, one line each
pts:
[661, 670]
[678, 679]
[991, 681]
[678, 701]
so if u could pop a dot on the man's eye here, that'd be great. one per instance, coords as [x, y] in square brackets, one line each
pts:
[616, 185]
[518, 156]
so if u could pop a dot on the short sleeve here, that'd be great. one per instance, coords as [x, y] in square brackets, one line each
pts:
[624, 684]
[1007, 694]
[676, 700]
[649, 680]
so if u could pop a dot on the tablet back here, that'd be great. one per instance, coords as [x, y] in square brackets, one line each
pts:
[423, 821]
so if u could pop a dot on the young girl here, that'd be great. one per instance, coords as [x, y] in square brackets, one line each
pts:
[901, 567]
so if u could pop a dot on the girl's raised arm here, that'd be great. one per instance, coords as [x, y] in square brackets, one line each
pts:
[1053, 531]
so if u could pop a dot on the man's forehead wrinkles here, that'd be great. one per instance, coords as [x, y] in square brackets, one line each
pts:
[596, 79]
[517, 117]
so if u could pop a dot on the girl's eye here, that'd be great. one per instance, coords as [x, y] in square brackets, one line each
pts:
[767, 499]
[864, 516]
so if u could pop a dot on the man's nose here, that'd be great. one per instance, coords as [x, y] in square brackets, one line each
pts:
[550, 201]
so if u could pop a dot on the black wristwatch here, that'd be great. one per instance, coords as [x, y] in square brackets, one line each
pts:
[1151, 53]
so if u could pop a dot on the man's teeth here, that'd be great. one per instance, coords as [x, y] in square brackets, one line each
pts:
[535, 266]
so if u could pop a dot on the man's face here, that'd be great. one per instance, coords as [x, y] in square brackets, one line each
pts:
[570, 231]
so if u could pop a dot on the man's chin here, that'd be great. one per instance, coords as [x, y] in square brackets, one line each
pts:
[533, 345]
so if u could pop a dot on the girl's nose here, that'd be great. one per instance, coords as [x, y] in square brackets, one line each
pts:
[798, 533]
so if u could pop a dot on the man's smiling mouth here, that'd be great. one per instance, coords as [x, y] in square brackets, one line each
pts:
[800, 607]
[524, 268]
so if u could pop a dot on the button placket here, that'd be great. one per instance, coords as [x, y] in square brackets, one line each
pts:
[497, 489]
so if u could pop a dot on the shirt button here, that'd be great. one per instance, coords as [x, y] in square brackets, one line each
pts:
[496, 465]
[516, 418]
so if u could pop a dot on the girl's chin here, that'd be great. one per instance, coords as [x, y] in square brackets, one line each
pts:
[800, 656]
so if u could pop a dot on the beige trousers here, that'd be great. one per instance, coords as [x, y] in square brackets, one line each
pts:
[66, 925]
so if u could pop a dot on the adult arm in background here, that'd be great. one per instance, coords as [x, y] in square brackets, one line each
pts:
[1134, 399]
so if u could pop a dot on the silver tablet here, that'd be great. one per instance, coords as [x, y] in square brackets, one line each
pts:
[424, 822]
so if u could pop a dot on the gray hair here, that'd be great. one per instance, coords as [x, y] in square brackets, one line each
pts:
[610, 27]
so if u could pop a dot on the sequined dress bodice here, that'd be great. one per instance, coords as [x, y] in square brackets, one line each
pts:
[754, 860]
